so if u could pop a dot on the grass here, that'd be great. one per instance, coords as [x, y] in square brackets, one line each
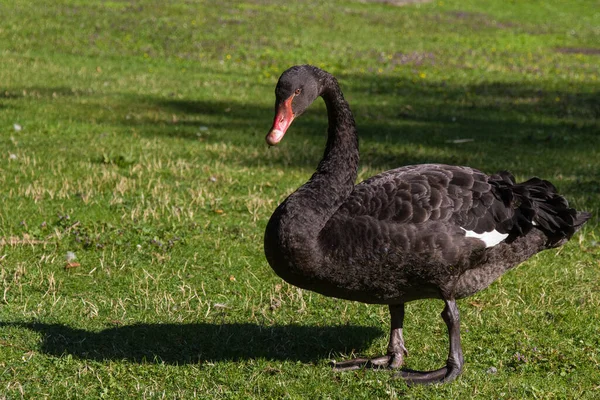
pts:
[132, 135]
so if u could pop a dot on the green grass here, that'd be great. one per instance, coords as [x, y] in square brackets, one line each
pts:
[142, 151]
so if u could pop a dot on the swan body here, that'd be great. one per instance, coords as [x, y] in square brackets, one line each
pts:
[415, 232]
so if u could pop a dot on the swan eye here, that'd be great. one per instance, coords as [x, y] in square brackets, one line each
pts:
[298, 91]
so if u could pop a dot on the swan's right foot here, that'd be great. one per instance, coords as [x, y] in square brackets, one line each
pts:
[389, 361]
[455, 362]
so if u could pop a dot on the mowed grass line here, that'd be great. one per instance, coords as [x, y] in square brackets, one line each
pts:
[132, 135]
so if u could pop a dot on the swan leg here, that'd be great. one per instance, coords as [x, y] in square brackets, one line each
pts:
[455, 361]
[395, 351]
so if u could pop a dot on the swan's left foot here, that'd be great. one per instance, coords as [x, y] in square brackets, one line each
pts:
[394, 358]
[390, 361]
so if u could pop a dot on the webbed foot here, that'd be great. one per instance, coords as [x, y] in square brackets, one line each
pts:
[389, 361]
[396, 351]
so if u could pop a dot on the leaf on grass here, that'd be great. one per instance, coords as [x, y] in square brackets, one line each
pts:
[477, 305]
[272, 371]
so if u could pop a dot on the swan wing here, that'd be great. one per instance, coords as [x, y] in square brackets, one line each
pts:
[464, 198]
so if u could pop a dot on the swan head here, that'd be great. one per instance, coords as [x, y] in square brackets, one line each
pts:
[296, 89]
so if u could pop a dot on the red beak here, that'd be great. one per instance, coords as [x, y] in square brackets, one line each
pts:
[283, 119]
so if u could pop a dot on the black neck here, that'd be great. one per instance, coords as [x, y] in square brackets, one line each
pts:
[339, 166]
[336, 174]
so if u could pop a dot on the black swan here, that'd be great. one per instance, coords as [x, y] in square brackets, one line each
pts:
[415, 232]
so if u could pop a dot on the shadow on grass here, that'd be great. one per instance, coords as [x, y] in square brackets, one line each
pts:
[201, 342]
[487, 125]
[496, 117]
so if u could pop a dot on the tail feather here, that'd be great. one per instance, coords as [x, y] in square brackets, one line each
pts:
[536, 202]
[581, 218]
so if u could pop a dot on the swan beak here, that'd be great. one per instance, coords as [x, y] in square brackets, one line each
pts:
[283, 119]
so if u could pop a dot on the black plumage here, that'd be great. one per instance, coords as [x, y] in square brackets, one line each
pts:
[415, 232]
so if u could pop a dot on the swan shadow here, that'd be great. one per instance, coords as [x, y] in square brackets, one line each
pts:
[201, 342]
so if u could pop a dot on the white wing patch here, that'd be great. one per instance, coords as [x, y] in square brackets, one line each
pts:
[489, 238]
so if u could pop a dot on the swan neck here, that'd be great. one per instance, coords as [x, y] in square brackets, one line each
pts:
[336, 173]
[340, 160]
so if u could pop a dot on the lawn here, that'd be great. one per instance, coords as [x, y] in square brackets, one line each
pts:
[136, 185]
